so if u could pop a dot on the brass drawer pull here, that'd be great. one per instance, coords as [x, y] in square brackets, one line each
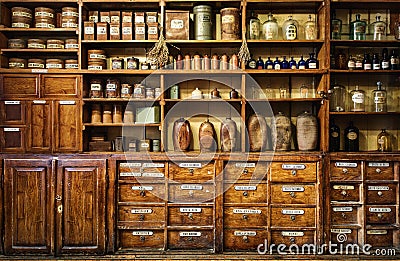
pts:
[191, 193]
[378, 170]
[190, 216]
[142, 238]
[191, 171]
[293, 217]
[58, 197]
[345, 171]
[141, 217]
[190, 239]
[380, 215]
[246, 239]
[344, 216]
[245, 171]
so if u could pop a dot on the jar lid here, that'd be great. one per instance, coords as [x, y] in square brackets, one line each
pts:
[54, 61]
[35, 60]
[35, 41]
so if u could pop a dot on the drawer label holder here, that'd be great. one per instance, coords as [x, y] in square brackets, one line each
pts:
[245, 165]
[292, 188]
[142, 233]
[346, 164]
[293, 166]
[149, 188]
[190, 210]
[12, 102]
[341, 230]
[191, 187]
[239, 188]
[378, 188]
[190, 165]
[379, 164]
[377, 232]
[292, 211]
[246, 211]
[345, 187]
[343, 209]
[130, 164]
[245, 233]
[380, 210]
[190, 234]
[292, 233]
[141, 211]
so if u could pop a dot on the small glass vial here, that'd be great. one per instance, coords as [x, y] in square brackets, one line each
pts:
[357, 100]
[378, 28]
[290, 29]
[310, 29]
[270, 28]
[384, 141]
[380, 98]
[304, 91]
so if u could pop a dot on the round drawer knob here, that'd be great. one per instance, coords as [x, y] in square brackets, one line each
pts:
[190, 239]
[294, 172]
[245, 193]
[344, 216]
[143, 193]
[190, 216]
[344, 193]
[191, 193]
[380, 193]
[292, 194]
[245, 217]
[245, 171]
[378, 171]
[380, 215]
[141, 217]
[246, 239]
[293, 217]
[292, 240]
[191, 171]
[142, 238]
[345, 171]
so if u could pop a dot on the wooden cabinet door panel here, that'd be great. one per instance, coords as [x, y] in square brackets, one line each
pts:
[28, 211]
[12, 140]
[12, 112]
[40, 123]
[80, 206]
[67, 122]
[58, 86]
[18, 85]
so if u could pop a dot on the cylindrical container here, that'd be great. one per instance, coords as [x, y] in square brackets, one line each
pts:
[132, 145]
[132, 63]
[215, 62]
[230, 24]
[258, 133]
[36, 63]
[55, 44]
[384, 142]
[96, 88]
[234, 62]
[187, 62]
[70, 12]
[233, 94]
[54, 64]
[119, 143]
[21, 17]
[337, 98]
[207, 137]
[149, 92]
[97, 65]
[215, 94]
[228, 134]
[224, 62]
[144, 145]
[17, 63]
[307, 131]
[69, 22]
[196, 62]
[21, 12]
[71, 64]
[117, 63]
[281, 132]
[129, 116]
[157, 92]
[36, 44]
[96, 113]
[113, 88]
[126, 90]
[44, 12]
[174, 92]
[156, 145]
[203, 22]
[181, 135]
[107, 113]
[139, 91]
[71, 43]
[16, 43]
[179, 61]
[206, 62]
[44, 22]
[145, 66]
[117, 114]
[97, 60]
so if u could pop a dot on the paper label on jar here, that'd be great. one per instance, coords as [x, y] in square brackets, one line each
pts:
[130, 164]
[45, 14]
[245, 165]
[228, 19]
[72, 66]
[97, 56]
[246, 211]
[141, 211]
[130, 174]
[20, 25]
[95, 87]
[36, 65]
[124, 90]
[12, 102]
[292, 188]
[139, 19]
[101, 30]
[127, 30]
[55, 46]
[239, 188]
[153, 165]
[95, 67]
[343, 187]
[44, 25]
[71, 46]
[127, 19]
[105, 19]
[358, 98]
[152, 30]
[190, 234]
[343, 209]
[380, 100]
[16, 65]
[36, 46]
[54, 66]
[93, 18]
[152, 174]
[151, 19]
[380, 210]
[377, 232]
[341, 231]
[378, 188]
[69, 13]
[142, 233]
[89, 30]
[190, 210]
[115, 19]
[312, 66]
[139, 30]
[352, 135]
[144, 145]
[346, 164]
[11, 129]
[111, 87]
[177, 24]
[148, 188]
[190, 165]
[245, 233]
[292, 211]
[114, 30]
[22, 14]
[191, 187]
[379, 164]
[293, 166]
[292, 234]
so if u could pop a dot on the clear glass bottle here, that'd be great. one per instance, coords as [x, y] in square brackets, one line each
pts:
[351, 63]
[367, 63]
[310, 29]
[337, 98]
[284, 92]
[357, 100]
[378, 29]
[336, 27]
[304, 91]
[351, 138]
[384, 141]
[358, 29]
[312, 62]
[270, 28]
[253, 28]
[334, 136]
[290, 29]
[380, 98]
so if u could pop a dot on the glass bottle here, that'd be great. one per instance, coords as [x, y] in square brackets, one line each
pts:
[260, 63]
[270, 28]
[304, 90]
[290, 29]
[357, 99]
[341, 61]
[385, 62]
[292, 63]
[337, 98]
[358, 29]
[285, 63]
[301, 64]
[394, 60]
[367, 63]
[310, 29]
[277, 64]
[351, 138]
[311, 62]
[334, 136]
[378, 28]
[359, 62]
[252, 64]
[397, 30]
[351, 63]
[380, 98]
[376, 64]
[269, 64]
[336, 27]
[253, 27]
[384, 141]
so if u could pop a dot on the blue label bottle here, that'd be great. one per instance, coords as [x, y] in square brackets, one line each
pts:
[292, 63]
[285, 63]
[302, 64]
[260, 63]
[269, 64]
[277, 64]
[311, 62]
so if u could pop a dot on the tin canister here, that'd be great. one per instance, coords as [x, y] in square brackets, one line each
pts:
[156, 145]
[174, 92]
[203, 22]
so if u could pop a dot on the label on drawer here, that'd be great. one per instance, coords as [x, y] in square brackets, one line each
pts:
[191, 187]
[292, 211]
[245, 187]
[380, 210]
[341, 230]
[130, 164]
[345, 187]
[377, 232]
[190, 165]
[190, 234]
[11, 129]
[12, 102]
[293, 166]
[142, 233]
[343, 209]
[245, 233]
[39, 70]
[246, 211]
[153, 174]
[292, 188]
[292, 234]
[153, 165]
[67, 102]
[190, 210]
[39, 102]
[130, 174]
[346, 164]
[378, 188]
[245, 165]
[378, 164]
[142, 188]
[141, 211]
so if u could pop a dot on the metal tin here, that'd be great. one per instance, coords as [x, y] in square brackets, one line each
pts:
[16, 43]
[156, 145]
[71, 43]
[21, 12]
[36, 44]
[21, 22]
[70, 11]
[54, 64]
[117, 63]
[144, 145]
[174, 92]
[17, 63]
[44, 22]
[55, 44]
[230, 24]
[36, 63]
[71, 64]
[44, 12]
[203, 22]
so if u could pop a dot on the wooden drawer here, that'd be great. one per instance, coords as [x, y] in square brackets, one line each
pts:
[141, 239]
[344, 235]
[381, 214]
[293, 172]
[380, 237]
[191, 171]
[142, 171]
[27, 85]
[293, 194]
[239, 217]
[142, 216]
[141, 192]
[189, 193]
[380, 171]
[191, 239]
[344, 215]
[12, 140]
[190, 216]
[12, 113]
[345, 170]
[61, 86]
[244, 239]
[288, 238]
[292, 217]
[245, 170]
[381, 193]
[244, 193]
[345, 192]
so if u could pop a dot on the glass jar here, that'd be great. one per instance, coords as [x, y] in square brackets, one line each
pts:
[310, 29]
[107, 113]
[270, 28]
[290, 29]
[117, 114]
[96, 113]
[126, 90]
[336, 28]
[139, 91]
[253, 27]
[357, 100]
[380, 98]
[96, 88]
[337, 98]
[113, 88]
[358, 29]
[304, 91]
[378, 28]
[384, 141]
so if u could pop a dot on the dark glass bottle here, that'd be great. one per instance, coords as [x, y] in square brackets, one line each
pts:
[269, 64]
[394, 61]
[367, 63]
[292, 63]
[334, 136]
[385, 62]
[336, 27]
[252, 64]
[351, 63]
[311, 62]
[376, 64]
[277, 64]
[351, 138]
[301, 64]
[285, 63]
[260, 63]
[359, 62]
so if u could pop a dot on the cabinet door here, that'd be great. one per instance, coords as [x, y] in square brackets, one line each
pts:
[12, 112]
[12, 140]
[28, 208]
[18, 85]
[67, 121]
[58, 86]
[39, 131]
[80, 206]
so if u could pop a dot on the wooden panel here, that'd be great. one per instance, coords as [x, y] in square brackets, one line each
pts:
[19, 85]
[59, 86]
[382, 172]
[39, 136]
[243, 217]
[141, 239]
[344, 215]
[379, 237]
[292, 217]
[381, 193]
[245, 193]
[68, 126]
[293, 194]
[141, 192]
[244, 239]
[80, 206]
[28, 219]
[345, 170]
[141, 216]
[12, 112]
[190, 216]
[188, 174]
[190, 193]
[345, 192]
[288, 237]
[190, 240]
[234, 170]
[293, 172]
[381, 214]
[344, 235]
[12, 140]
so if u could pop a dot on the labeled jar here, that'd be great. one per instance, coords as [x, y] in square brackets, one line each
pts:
[230, 24]
[36, 44]
[71, 43]
[69, 12]
[113, 88]
[17, 63]
[156, 145]
[21, 12]
[36, 63]
[149, 91]
[144, 145]
[96, 113]
[54, 64]
[132, 63]
[97, 65]
[129, 116]
[107, 113]
[117, 63]
[69, 22]
[21, 17]
[117, 114]
[132, 145]
[126, 90]
[97, 60]
[16, 43]
[203, 29]
[157, 92]
[71, 64]
[44, 22]
[55, 44]
[139, 91]
[44, 12]
[96, 88]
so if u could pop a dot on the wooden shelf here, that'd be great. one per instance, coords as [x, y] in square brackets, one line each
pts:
[286, 71]
[120, 71]
[364, 43]
[35, 31]
[364, 113]
[286, 100]
[366, 71]
[39, 50]
[55, 71]
[122, 124]
[118, 100]
[202, 100]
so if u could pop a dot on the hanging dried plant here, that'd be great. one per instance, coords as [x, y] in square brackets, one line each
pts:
[159, 53]
[244, 53]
